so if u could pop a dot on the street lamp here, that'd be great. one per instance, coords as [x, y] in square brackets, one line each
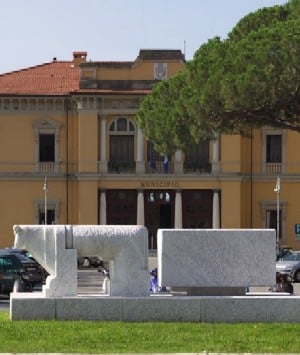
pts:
[277, 190]
[45, 188]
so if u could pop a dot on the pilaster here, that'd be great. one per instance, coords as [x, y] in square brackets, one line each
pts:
[216, 210]
[103, 219]
[215, 166]
[178, 209]
[178, 162]
[140, 164]
[140, 208]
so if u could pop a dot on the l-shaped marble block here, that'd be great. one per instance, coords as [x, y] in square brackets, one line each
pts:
[56, 248]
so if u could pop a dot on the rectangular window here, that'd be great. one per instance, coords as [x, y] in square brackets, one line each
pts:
[274, 149]
[47, 148]
[197, 157]
[50, 217]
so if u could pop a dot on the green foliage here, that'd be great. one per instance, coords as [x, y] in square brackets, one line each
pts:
[257, 20]
[251, 79]
[162, 117]
[147, 337]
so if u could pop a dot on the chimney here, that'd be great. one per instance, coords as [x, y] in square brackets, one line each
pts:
[79, 57]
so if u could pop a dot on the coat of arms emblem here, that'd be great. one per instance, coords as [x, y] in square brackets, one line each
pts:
[160, 71]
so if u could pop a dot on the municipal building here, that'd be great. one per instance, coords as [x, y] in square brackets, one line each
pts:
[71, 152]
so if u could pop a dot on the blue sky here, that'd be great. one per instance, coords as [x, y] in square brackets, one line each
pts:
[35, 31]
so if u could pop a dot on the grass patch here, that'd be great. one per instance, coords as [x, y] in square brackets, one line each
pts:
[121, 337]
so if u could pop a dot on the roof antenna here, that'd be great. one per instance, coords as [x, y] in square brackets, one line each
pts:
[184, 49]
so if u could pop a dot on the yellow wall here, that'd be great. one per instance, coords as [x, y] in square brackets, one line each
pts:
[231, 204]
[88, 141]
[257, 151]
[293, 154]
[16, 141]
[17, 204]
[231, 153]
[141, 71]
[88, 207]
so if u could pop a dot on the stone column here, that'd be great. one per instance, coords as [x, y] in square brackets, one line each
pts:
[103, 220]
[215, 166]
[178, 163]
[216, 210]
[103, 160]
[178, 210]
[140, 163]
[140, 218]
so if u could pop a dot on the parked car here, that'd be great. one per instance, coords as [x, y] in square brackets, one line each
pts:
[290, 265]
[282, 252]
[89, 261]
[15, 266]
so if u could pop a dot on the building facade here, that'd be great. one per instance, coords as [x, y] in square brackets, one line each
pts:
[72, 153]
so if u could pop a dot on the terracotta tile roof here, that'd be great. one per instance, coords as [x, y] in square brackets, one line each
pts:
[55, 78]
[63, 77]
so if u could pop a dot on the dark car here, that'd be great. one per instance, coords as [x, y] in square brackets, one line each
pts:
[15, 266]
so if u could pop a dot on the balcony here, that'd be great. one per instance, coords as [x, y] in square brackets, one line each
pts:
[47, 167]
[159, 167]
[196, 167]
[118, 167]
[274, 168]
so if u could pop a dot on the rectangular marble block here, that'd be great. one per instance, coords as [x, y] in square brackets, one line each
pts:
[159, 308]
[216, 257]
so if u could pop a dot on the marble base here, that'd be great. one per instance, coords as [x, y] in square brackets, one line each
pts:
[166, 307]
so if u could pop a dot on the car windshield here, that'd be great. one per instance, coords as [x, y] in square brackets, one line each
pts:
[23, 257]
[291, 257]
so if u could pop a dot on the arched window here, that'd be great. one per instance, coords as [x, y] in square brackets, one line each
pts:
[121, 145]
[122, 124]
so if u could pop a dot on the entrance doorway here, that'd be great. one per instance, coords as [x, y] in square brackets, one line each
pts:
[165, 216]
[159, 212]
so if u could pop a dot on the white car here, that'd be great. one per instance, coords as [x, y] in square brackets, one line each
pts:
[290, 265]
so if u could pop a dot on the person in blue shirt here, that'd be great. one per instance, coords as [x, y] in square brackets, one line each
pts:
[154, 288]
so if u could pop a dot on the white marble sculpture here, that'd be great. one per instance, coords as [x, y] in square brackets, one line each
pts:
[56, 248]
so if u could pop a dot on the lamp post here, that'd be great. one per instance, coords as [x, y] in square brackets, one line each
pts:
[277, 190]
[45, 188]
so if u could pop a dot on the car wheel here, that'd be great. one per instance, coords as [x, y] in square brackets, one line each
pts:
[297, 276]
[19, 286]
